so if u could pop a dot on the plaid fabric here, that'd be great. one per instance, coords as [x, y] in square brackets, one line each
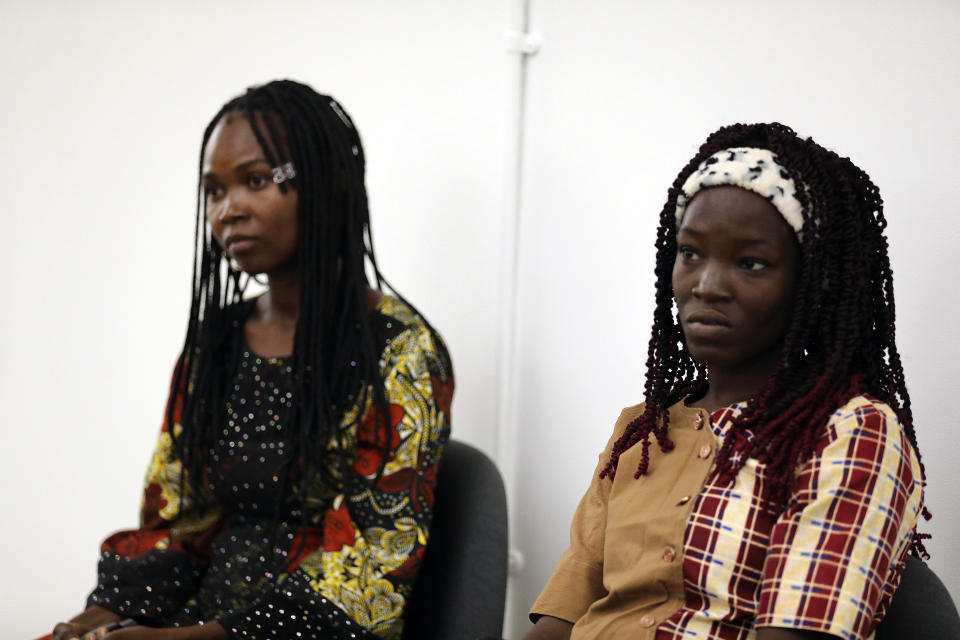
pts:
[830, 562]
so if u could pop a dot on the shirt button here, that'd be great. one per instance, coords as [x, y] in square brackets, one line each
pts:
[684, 500]
[704, 451]
[668, 554]
[647, 621]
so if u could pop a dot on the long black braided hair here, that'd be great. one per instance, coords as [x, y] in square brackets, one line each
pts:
[842, 337]
[335, 362]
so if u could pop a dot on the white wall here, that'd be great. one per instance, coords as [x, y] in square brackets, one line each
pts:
[103, 105]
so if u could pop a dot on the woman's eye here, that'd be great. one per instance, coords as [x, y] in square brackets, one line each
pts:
[687, 253]
[752, 264]
[257, 181]
[212, 192]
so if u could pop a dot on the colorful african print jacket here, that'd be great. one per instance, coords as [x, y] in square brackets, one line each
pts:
[675, 554]
[246, 559]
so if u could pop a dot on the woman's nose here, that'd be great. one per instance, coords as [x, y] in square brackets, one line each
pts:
[711, 283]
[230, 210]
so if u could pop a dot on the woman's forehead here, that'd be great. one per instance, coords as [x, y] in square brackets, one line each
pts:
[232, 138]
[734, 211]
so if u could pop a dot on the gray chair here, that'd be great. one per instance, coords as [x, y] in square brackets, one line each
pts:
[462, 585]
[921, 609]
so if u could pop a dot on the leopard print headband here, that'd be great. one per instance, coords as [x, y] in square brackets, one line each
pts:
[752, 169]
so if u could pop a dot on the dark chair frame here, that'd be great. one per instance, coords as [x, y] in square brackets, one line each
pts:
[921, 609]
[462, 585]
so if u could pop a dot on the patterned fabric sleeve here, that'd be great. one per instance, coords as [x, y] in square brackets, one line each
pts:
[150, 572]
[360, 575]
[836, 553]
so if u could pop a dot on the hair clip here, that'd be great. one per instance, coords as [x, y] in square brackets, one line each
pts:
[284, 173]
[336, 109]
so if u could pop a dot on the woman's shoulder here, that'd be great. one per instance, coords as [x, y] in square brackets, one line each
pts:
[393, 309]
[392, 317]
[866, 422]
[403, 331]
[864, 410]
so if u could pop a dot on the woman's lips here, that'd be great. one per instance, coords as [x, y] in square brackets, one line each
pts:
[709, 318]
[239, 244]
[706, 324]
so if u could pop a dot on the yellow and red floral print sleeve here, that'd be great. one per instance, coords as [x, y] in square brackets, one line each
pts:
[136, 565]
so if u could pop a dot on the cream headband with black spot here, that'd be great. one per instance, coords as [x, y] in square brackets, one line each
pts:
[752, 169]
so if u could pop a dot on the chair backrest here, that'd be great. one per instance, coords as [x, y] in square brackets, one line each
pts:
[921, 609]
[462, 584]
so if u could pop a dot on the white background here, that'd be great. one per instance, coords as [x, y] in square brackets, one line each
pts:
[103, 106]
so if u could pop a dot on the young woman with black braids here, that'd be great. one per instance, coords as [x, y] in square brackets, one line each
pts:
[770, 485]
[291, 491]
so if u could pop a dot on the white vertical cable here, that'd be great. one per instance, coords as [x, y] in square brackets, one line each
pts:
[519, 45]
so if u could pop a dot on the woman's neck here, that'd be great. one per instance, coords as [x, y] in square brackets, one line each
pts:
[272, 324]
[281, 302]
[718, 396]
[727, 387]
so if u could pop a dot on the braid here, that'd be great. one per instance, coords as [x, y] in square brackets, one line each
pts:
[335, 361]
[841, 341]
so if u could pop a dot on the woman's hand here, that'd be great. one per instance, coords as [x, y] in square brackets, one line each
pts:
[90, 619]
[68, 630]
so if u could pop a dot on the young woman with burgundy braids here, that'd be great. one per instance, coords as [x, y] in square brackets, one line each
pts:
[290, 493]
[770, 486]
